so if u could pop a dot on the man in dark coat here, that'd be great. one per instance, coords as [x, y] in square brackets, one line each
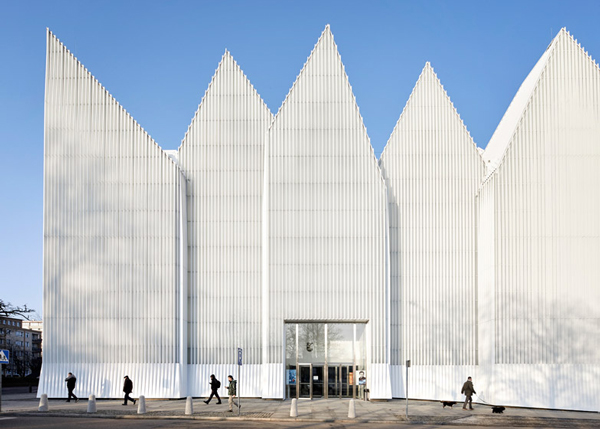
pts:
[128, 388]
[71, 380]
[468, 391]
[214, 389]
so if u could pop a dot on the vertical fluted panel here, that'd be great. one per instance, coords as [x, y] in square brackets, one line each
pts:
[546, 232]
[112, 219]
[325, 215]
[548, 211]
[433, 170]
[222, 155]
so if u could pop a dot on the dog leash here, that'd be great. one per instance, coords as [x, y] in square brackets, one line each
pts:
[484, 402]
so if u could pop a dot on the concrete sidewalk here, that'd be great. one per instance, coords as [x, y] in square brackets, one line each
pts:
[321, 410]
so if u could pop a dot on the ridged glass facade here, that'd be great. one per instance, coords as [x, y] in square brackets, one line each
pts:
[285, 236]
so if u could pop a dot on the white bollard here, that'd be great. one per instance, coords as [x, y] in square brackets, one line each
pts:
[189, 406]
[351, 410]
[43, 403]
[294, 409]
[92, 404]
[142, 404]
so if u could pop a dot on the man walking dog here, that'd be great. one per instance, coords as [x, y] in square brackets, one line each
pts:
[468, 390]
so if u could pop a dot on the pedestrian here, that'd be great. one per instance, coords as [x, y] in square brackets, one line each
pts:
[71, 380]
[214, 389]
[128, 388]
[231, 391]
[468, 390]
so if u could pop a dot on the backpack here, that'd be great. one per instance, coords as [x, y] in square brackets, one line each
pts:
[217, 383]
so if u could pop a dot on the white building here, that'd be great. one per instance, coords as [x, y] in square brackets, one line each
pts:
[433, 170]
[285, 236]
[539, 239]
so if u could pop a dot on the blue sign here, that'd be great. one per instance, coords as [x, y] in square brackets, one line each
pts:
[239, 357]
[4, 355]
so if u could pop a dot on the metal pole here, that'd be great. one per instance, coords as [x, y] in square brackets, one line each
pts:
[238, 392]
[407, 366]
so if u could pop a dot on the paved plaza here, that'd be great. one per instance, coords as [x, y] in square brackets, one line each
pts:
[18, 401]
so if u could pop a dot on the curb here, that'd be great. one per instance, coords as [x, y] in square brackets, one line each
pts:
[417, 420]
[192, 417]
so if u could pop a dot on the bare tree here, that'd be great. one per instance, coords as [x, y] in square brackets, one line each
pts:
[9, 310]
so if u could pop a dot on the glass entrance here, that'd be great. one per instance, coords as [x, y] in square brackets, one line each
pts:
[312, 381]
[304, 381]
[323, 360]
[340, 381]
[317, 381]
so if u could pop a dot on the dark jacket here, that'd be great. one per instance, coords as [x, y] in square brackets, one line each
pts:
[214, 383]
[71, 382]
[128, 386]
[468, 389]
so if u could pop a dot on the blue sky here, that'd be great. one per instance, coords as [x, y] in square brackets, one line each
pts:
[157, 59]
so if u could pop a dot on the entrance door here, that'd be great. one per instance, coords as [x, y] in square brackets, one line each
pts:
[318, 378]
[304, 381]
[311, 381]
[340, 380]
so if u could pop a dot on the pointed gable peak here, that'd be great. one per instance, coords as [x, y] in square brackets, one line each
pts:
[326, 37]
[219, 85]
[427, 71]
[324, 42]
[428, 91]
[225, 58]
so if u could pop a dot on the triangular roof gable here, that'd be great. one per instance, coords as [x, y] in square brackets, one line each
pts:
[53, 44]
[428, 91]
[218, 87]
[324, 61]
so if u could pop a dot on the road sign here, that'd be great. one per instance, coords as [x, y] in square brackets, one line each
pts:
[239, 356]
[4, 358]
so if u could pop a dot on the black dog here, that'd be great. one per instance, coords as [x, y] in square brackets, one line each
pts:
[498, 410]
[448, 403]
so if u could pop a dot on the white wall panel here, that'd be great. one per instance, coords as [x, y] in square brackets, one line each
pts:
[435, 382]
[325, 215]
[546, 235]
[222, 155]
[105, 380]
[249, 384]
[112, 225]
[433, 170]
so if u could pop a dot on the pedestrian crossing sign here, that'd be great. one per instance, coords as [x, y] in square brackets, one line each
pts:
[4, 354]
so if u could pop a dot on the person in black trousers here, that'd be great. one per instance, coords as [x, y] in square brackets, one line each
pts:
[71, 380]
[128, 388]
[214, 387]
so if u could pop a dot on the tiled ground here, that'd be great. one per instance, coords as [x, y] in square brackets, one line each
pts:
[321, 410]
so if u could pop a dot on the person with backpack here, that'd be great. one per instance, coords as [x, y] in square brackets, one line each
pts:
[214, 387]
